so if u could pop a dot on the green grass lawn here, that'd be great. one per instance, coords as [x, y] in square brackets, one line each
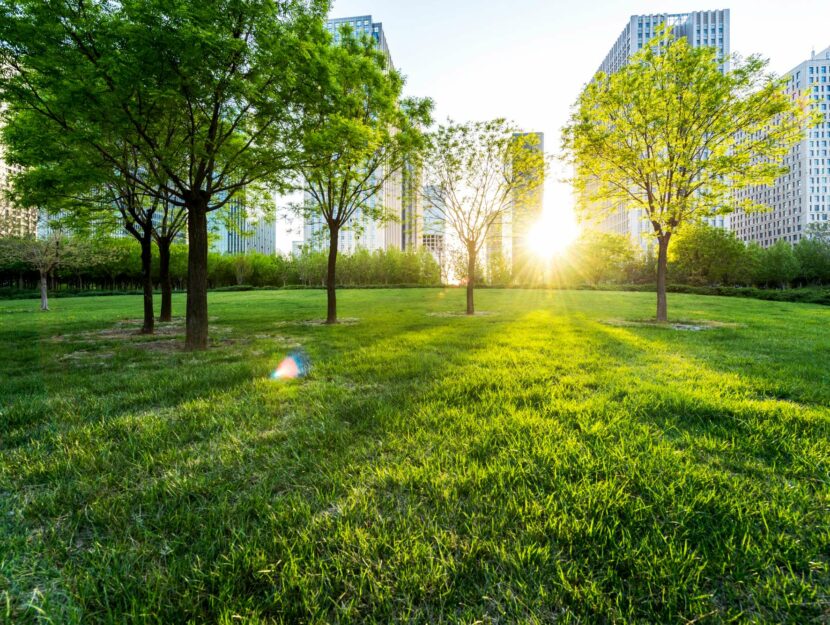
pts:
[545, 462]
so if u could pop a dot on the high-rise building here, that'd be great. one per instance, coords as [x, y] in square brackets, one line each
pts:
[363, 231]
[361, 24]
[700, 28]
[802, 196]
[526, 211]
[434, 233]
[263, 237]
[412, 212]
[498, 245]
[234, 232]
[106, 223]
[507, 237]
[14, 221]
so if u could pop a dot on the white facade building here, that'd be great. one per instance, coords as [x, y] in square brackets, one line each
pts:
[233, 232]
[14, 221]
[802, 196]
[434, 236]
[700, 28]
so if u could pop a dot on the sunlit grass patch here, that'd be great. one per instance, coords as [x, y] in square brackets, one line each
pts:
[532, 465]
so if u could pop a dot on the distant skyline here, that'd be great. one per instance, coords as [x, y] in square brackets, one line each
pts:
[527, 60]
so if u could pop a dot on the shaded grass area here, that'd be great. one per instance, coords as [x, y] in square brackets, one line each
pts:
[536, 464]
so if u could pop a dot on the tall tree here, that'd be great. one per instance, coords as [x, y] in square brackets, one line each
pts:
[359, 137]
[672, 135]
[602, 257]
[148, 217]
[137, 213]
[44, 256]
[705, 254]
[473, 175]
[779, 265]
[92, 195]
[813, 255]
[207, 93]
[166, 229]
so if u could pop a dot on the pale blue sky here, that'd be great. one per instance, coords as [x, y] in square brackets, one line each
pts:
[527, 59]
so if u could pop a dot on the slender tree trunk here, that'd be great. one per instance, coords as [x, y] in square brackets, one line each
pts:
[147, 281]
[662, 269]
[197, 309]
[164, 278]
[331, 276]
[471, 278]
[44, 291]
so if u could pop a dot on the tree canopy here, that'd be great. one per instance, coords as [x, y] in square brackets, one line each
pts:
[207, 94]
[358, 137]
[675, 133]
[473, 174]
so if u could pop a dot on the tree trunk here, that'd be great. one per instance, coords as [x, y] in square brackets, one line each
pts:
[662, 269]
[331, 276]
[197, 253]
[471, 278]
[44, 291]
[147, 281]
[164, 278]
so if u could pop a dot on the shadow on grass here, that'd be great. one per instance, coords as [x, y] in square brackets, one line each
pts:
[501, 470]
[746, 472]
[663, 383]
[126, 500]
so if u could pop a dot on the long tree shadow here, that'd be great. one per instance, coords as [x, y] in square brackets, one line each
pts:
[550, 502]
[683, 393]
[748, 474]
[479, 510]
[504, 470]
[212, 471]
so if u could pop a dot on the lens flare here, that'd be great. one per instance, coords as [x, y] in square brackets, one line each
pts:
[294, 366]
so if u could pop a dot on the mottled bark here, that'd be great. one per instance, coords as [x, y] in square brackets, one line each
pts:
[44, 291]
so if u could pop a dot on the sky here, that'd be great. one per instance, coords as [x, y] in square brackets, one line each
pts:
[527, 60]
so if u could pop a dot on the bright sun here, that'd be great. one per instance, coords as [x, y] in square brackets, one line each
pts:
[552, 234]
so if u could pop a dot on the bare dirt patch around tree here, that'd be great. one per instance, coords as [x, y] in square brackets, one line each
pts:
[345, 321]
[455, 313]
[698, 325]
